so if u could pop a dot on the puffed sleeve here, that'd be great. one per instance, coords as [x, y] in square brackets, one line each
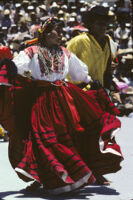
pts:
[22, 62]
[78, 70]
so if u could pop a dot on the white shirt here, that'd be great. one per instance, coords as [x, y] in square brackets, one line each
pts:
[27, 60]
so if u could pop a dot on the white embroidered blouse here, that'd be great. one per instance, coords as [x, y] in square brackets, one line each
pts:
[27, 60]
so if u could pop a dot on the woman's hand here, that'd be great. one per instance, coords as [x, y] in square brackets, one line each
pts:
[95, 84]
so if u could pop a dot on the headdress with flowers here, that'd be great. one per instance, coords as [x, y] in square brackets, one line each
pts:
[50, 22]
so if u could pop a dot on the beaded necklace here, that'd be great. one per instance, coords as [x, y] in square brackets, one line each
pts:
[50, 60]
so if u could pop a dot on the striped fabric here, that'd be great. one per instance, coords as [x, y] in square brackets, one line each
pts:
[3, 75]
[61, 134]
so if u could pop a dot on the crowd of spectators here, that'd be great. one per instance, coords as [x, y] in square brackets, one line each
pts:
[19, 20]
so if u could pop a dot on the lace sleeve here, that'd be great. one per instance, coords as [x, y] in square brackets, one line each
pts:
[22, 61]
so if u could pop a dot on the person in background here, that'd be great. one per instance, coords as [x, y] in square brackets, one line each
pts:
[6, 21]
[96, 49]
[122, 35]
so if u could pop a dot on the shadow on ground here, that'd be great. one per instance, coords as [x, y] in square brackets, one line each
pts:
[84, 193]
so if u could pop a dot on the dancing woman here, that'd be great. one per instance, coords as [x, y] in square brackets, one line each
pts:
[60, 136]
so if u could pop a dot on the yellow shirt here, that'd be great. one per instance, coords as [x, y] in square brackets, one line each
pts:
[90, 52]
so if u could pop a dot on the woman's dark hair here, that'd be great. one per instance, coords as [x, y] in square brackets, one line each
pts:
[48, 29]
[41, 36]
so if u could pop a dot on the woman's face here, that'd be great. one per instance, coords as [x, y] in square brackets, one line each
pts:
[53, 38]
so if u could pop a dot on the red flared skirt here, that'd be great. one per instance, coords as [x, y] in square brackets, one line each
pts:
[59, 134]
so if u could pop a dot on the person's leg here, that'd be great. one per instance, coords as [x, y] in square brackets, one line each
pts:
[101, 180]
[33, 187]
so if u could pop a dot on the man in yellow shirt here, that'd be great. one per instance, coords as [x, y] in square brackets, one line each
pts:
[97, 51]
[95, 48]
